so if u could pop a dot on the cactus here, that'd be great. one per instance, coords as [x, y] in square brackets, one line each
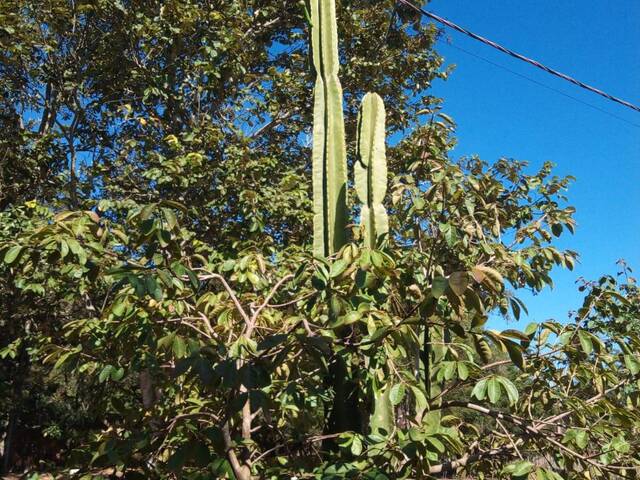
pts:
[329, 150]
[330, 215]
[370, 168]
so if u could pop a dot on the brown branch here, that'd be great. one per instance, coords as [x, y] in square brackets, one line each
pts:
[533, 430]
[513, 444]
[270, 124]
[242, 466]
[468, 458]
[589, 401]
[290, 302]
[241, 471]
[254, 317]
[231, 293]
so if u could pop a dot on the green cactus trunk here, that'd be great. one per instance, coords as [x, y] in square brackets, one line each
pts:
[329, 150]
[370, 168]
[330, 215]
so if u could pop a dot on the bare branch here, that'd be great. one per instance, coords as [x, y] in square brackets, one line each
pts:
[254, 318]
[231, 293]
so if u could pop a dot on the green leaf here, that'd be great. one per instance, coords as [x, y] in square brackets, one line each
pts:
[473, 301]
[519, 468]
[382, 421]
[377, 259]
[153, 288]
[556, 229]
[449, 369]
[510, 388]
[619, 444]
[463, 371]
[123, 237]
[482, 347]
[62, 359]
[165, 278]
[632, 363]
[338, 267]
[515, 353]
[515, 334]
[105, 373]
[172, 221]
[64, 249]
[564, 338]
[356, 445]
[179, 458]
[581, 439]
[117, 374]
[585, 342]
[420, 399]
[193, 278]
[147, 211]
[179, 347]
[318, 282]
[439, 286]
[449, 233]
[118, 307]
[478, 321]
[348, 319]
[515, 308]
[531, 329]
[493, 389]
[480, 390]
[74, 246]
[12, 254]
[624, 300]
[397, 394]
[254, 279]
[439, 446]
[546, 474]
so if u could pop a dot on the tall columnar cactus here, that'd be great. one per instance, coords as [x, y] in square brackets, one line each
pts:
[370, 168]
[330, 215]
[329, 150]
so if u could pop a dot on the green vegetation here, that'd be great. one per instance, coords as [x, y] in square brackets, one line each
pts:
[186, 291]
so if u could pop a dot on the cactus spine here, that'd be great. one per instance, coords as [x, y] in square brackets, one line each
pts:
[329, 150]
[370, 168]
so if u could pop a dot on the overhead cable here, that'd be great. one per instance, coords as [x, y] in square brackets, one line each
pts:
[535, 63]
[540, 84]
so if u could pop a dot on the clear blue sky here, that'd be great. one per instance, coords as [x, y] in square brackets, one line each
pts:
[501, 114]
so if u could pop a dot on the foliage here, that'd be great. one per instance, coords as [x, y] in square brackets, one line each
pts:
[163, 314]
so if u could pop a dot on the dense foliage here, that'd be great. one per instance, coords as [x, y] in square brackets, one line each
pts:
[162, 312]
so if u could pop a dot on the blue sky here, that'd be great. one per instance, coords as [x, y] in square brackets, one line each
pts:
[501, 114]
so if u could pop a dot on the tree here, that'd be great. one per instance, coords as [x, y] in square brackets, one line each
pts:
[157, 271]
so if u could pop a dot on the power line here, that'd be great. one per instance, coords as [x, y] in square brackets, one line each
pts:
[529, 79]
[535, 63]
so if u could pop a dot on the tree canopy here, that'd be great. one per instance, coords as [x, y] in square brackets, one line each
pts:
[163, 314]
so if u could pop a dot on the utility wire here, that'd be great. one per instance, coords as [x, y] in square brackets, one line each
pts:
[517, 55]
[529, 79]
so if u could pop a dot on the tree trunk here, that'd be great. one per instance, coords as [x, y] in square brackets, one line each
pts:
[8, 441]
[146, 389]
